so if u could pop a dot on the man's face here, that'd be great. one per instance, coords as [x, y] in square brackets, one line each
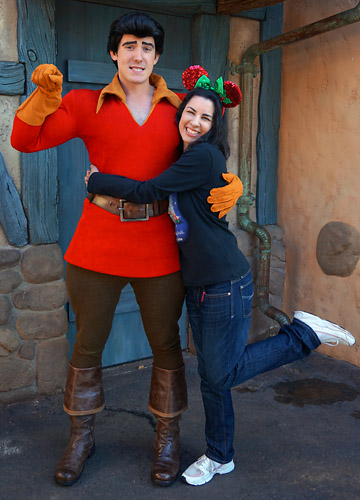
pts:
[136, 58]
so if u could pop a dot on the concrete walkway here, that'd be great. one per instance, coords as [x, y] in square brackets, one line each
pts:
[297, 438]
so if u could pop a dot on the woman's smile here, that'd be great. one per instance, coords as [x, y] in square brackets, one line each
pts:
[191, 131]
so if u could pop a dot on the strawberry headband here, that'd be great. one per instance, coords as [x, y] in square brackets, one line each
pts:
[196, 76]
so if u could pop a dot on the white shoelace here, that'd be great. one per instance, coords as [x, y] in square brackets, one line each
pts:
[203, 462]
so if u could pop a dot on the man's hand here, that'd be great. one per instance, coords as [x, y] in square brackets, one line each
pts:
[89, 172]
[48, 78]
[223, 199]
[45, 99]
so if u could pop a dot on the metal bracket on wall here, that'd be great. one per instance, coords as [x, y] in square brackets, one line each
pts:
[244, 68]
[244, 202]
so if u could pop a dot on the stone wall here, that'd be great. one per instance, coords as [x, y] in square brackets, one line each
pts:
[33, 322]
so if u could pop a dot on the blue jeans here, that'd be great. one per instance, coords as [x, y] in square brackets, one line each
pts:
[220, 318]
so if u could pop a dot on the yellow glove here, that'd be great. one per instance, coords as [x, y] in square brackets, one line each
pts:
[224, 198]
[45, 99]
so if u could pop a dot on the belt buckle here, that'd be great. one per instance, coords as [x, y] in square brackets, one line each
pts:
[124, 219]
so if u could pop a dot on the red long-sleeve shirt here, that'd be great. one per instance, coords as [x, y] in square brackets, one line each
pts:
[116, 144]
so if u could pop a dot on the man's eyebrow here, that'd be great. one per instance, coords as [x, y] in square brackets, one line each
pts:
[134, 42]
[129, 43]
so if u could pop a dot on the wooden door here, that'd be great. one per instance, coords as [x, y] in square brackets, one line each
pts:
[82, 30]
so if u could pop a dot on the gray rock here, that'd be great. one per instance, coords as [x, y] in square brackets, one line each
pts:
[42, 264]
[5, 310]
[15, 373]
[27, 350]
[8, 339]
[42, 325]
[9, 257]
[40, 297]
[338, 249]
[9, 280]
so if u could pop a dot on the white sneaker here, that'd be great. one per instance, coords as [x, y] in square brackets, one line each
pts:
[203, 470]
[327, 332]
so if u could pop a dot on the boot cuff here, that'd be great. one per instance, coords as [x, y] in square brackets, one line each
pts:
[168, 393]
[84, 394]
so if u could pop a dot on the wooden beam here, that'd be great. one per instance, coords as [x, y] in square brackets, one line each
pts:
[233, 7]
[178, 7]
[12, 216]
[255, 14]
[12, 78]
[99, 73]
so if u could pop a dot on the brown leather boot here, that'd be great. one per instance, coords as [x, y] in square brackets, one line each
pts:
[81, 447]
[168, 399]
[166, 457]
[84, 397]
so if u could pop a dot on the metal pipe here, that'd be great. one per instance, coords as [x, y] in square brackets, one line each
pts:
[319, 27]
[248, 71]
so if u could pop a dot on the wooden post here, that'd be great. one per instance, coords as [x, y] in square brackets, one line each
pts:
[36, 41]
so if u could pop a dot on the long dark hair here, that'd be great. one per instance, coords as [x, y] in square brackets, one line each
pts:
[218, 134]
[138, 24]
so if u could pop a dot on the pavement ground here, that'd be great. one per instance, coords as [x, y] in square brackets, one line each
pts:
[297, 438]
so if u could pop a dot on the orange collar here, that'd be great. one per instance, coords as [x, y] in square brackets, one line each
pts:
[161, 92]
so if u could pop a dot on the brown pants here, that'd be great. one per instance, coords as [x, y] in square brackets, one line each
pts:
[94, 296]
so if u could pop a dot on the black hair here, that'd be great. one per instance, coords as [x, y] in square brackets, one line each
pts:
[218, 134]
[139, 24]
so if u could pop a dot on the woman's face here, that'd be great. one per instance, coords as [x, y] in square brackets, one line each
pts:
[196, 119]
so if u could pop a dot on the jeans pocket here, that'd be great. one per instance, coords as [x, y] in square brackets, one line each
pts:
[247, 294]
[218, 290]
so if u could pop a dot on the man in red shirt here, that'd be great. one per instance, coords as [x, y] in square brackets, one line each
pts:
[129, 129]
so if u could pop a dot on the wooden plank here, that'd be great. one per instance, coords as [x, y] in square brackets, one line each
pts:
[103, 73]
[210, 37]
[36, 41]
[178, 7]
[12, 78]
[269, 121]
[12, 216]
[232, 7]
[90, 72]
[255, 14]
[173, 78]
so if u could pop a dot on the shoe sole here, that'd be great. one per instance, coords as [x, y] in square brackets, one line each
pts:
[333, 340]
[164, 484]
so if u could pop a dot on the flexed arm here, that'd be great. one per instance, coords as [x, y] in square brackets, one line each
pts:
[44, 120]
